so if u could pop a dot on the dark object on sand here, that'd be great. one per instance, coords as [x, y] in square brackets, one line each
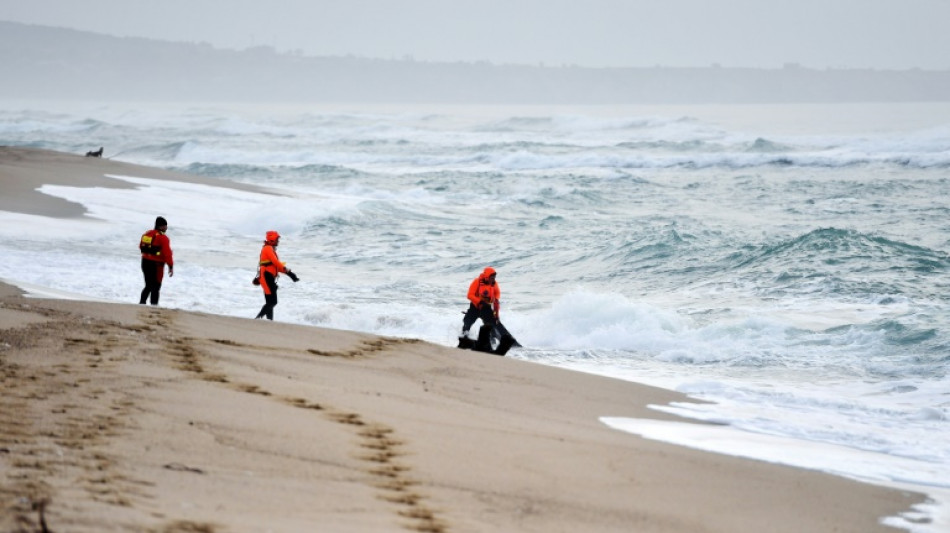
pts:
[494, 340]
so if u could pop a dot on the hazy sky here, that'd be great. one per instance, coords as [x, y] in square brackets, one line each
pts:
[885, 34]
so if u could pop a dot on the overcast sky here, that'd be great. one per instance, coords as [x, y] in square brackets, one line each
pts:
[884, 34]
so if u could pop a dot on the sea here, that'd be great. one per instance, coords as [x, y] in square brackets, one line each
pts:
[788, 265]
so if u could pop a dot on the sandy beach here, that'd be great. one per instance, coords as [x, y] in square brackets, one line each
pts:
[120, 417]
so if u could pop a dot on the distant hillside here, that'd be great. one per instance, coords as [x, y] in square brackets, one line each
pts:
[55, 63]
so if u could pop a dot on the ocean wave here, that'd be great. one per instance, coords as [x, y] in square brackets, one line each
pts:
[761, 145]
[274, 174]
[615, 331]
[521, 155]
[34, 122]
[843, 264]
[525, 156]
[529, 160]
[584, 123]
[513, 146]
[671, 146]
[162, 154]
[234, 171]
[835, 247]
[516, 124]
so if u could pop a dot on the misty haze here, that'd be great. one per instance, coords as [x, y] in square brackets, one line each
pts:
[55, 63]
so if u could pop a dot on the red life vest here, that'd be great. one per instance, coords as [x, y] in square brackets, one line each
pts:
[151, 246]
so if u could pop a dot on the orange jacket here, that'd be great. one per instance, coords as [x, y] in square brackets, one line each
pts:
[484, 290]
[270, 262]
[155, 246]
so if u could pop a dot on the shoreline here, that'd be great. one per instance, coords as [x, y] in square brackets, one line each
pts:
[24, 170]
[118, 416]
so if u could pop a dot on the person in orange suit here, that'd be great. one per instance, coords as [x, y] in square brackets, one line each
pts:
[270, 269]
[485, 297]
[156, 253]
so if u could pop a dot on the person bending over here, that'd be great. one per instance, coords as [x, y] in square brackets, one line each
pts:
[485, 297]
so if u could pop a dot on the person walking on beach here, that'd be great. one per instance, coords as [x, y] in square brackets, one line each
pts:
[156, 253]
[270, 269]
[484, 295]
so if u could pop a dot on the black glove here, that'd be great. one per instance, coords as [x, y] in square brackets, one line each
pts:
[293, 276]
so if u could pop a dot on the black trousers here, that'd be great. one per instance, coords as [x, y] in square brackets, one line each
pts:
[483, 312]
[270, 300]
[153, 284]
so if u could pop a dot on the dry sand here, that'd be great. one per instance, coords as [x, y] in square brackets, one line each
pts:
[117, 417]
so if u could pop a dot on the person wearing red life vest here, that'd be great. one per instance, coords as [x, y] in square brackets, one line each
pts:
[156, 253]
[485, 297]
[271, 268]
